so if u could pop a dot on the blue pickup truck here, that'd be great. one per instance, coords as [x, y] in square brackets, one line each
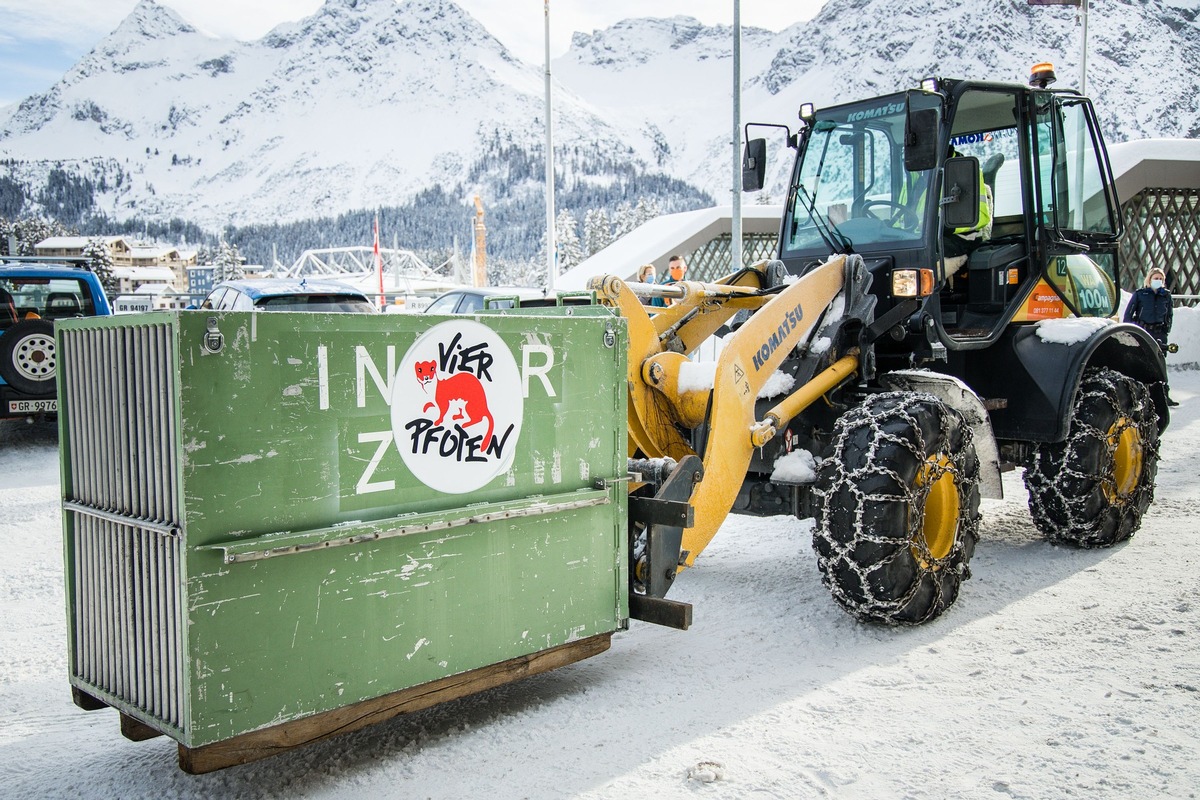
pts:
[32, 296]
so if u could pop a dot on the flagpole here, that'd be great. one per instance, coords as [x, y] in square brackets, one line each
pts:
[1083, 13]
[379, 263]
[735, 233]
[551, 246]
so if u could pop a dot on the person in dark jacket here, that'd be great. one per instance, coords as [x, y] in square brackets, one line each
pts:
[676, 267]
[1150, 308]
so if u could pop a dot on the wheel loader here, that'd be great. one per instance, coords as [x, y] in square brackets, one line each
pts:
[899, 354]
[279, 527]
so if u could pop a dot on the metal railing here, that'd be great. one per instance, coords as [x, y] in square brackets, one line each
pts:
[711, 260]
[1162, 229]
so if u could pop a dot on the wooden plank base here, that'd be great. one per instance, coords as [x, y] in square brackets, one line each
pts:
[137, 731]
[278, 739]
[86, 701]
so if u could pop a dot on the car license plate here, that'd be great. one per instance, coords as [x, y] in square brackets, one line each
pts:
[31, 406]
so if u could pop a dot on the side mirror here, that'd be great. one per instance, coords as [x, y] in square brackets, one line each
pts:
[960, 192]
[754, 165]
[920, 139]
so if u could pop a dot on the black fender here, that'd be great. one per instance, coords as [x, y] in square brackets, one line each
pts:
[1031, 383]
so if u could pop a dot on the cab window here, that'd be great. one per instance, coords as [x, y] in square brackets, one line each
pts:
[852, 185]
[1072, 191]
[985, 126]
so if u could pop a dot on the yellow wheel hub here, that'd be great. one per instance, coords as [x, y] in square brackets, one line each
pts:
[1126, 441]
[939, 527]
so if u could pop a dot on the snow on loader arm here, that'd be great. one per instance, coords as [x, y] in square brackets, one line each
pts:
[665, 400]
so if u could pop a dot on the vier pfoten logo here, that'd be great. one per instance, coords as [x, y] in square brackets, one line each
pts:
[457, 407]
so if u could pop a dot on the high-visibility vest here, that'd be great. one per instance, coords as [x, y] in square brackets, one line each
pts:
[983, 221]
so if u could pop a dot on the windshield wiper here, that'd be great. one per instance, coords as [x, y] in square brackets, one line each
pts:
[834, 239]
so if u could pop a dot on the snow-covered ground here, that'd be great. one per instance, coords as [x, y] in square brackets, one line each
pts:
[1059, 673]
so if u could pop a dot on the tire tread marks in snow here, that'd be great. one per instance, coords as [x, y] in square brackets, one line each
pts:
[870, 508]
[1072, 494]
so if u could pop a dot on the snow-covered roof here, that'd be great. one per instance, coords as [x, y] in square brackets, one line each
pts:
[144, 273]
[655, 241]
[74, 242]
[1154, 163]
[155, 289]
[153, 251]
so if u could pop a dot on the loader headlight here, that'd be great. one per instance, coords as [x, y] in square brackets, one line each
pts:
[807, 111]
[912, 282]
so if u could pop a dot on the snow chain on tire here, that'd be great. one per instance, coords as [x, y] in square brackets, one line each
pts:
[1092, 489]
[896, 458]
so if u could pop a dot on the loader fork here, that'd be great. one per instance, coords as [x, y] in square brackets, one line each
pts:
[664, 400]
[656, 526]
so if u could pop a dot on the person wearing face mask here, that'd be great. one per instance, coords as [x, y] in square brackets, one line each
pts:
[1150, 308]
[676, 268]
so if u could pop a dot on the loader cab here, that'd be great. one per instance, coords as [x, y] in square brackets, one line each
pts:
[862, 183]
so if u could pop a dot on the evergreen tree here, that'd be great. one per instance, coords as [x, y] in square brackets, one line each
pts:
[24, 234]
[227, 266]
[623, 221]
[597, 231]
[567, 245]
[505, 272]
[645, 211]
[99, 261]
[12, 196]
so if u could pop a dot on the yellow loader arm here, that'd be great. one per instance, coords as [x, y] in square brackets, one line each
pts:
[667, 391]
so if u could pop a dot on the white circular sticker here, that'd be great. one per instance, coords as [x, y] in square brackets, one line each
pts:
[457, 407]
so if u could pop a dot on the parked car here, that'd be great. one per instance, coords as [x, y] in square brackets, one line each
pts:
[470, 299]
[32, 296]
[287, 294]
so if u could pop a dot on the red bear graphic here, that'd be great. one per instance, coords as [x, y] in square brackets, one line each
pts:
[461, 386]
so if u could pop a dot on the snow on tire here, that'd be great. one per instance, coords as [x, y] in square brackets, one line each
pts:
[1092, 489]
[897, 513]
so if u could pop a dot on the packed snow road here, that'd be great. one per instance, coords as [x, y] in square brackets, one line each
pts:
[1059, 673]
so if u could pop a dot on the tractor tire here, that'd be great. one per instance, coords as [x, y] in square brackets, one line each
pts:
[27, 356]
[897, 514]
[1091, 490]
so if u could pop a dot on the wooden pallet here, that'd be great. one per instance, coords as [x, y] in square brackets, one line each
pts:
[281, 738]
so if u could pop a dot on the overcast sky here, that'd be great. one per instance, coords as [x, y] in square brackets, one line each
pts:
[41, 39]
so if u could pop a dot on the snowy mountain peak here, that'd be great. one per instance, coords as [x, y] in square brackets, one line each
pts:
[149, 20]
[447, 25]
[440, 27]
[633, 42]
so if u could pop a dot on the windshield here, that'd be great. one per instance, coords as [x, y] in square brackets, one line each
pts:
[48, 298]
[852, 178]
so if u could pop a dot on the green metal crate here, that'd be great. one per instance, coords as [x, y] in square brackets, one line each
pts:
[264, 519]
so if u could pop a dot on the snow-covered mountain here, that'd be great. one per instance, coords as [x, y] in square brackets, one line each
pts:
[368, 102]
[362, 104]
[1143, 66]
[1143, 56]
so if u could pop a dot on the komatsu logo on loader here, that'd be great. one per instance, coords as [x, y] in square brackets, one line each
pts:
[879, 111]
[790, 322]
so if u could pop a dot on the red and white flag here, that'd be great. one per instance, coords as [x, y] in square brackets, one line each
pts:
[379, 264]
